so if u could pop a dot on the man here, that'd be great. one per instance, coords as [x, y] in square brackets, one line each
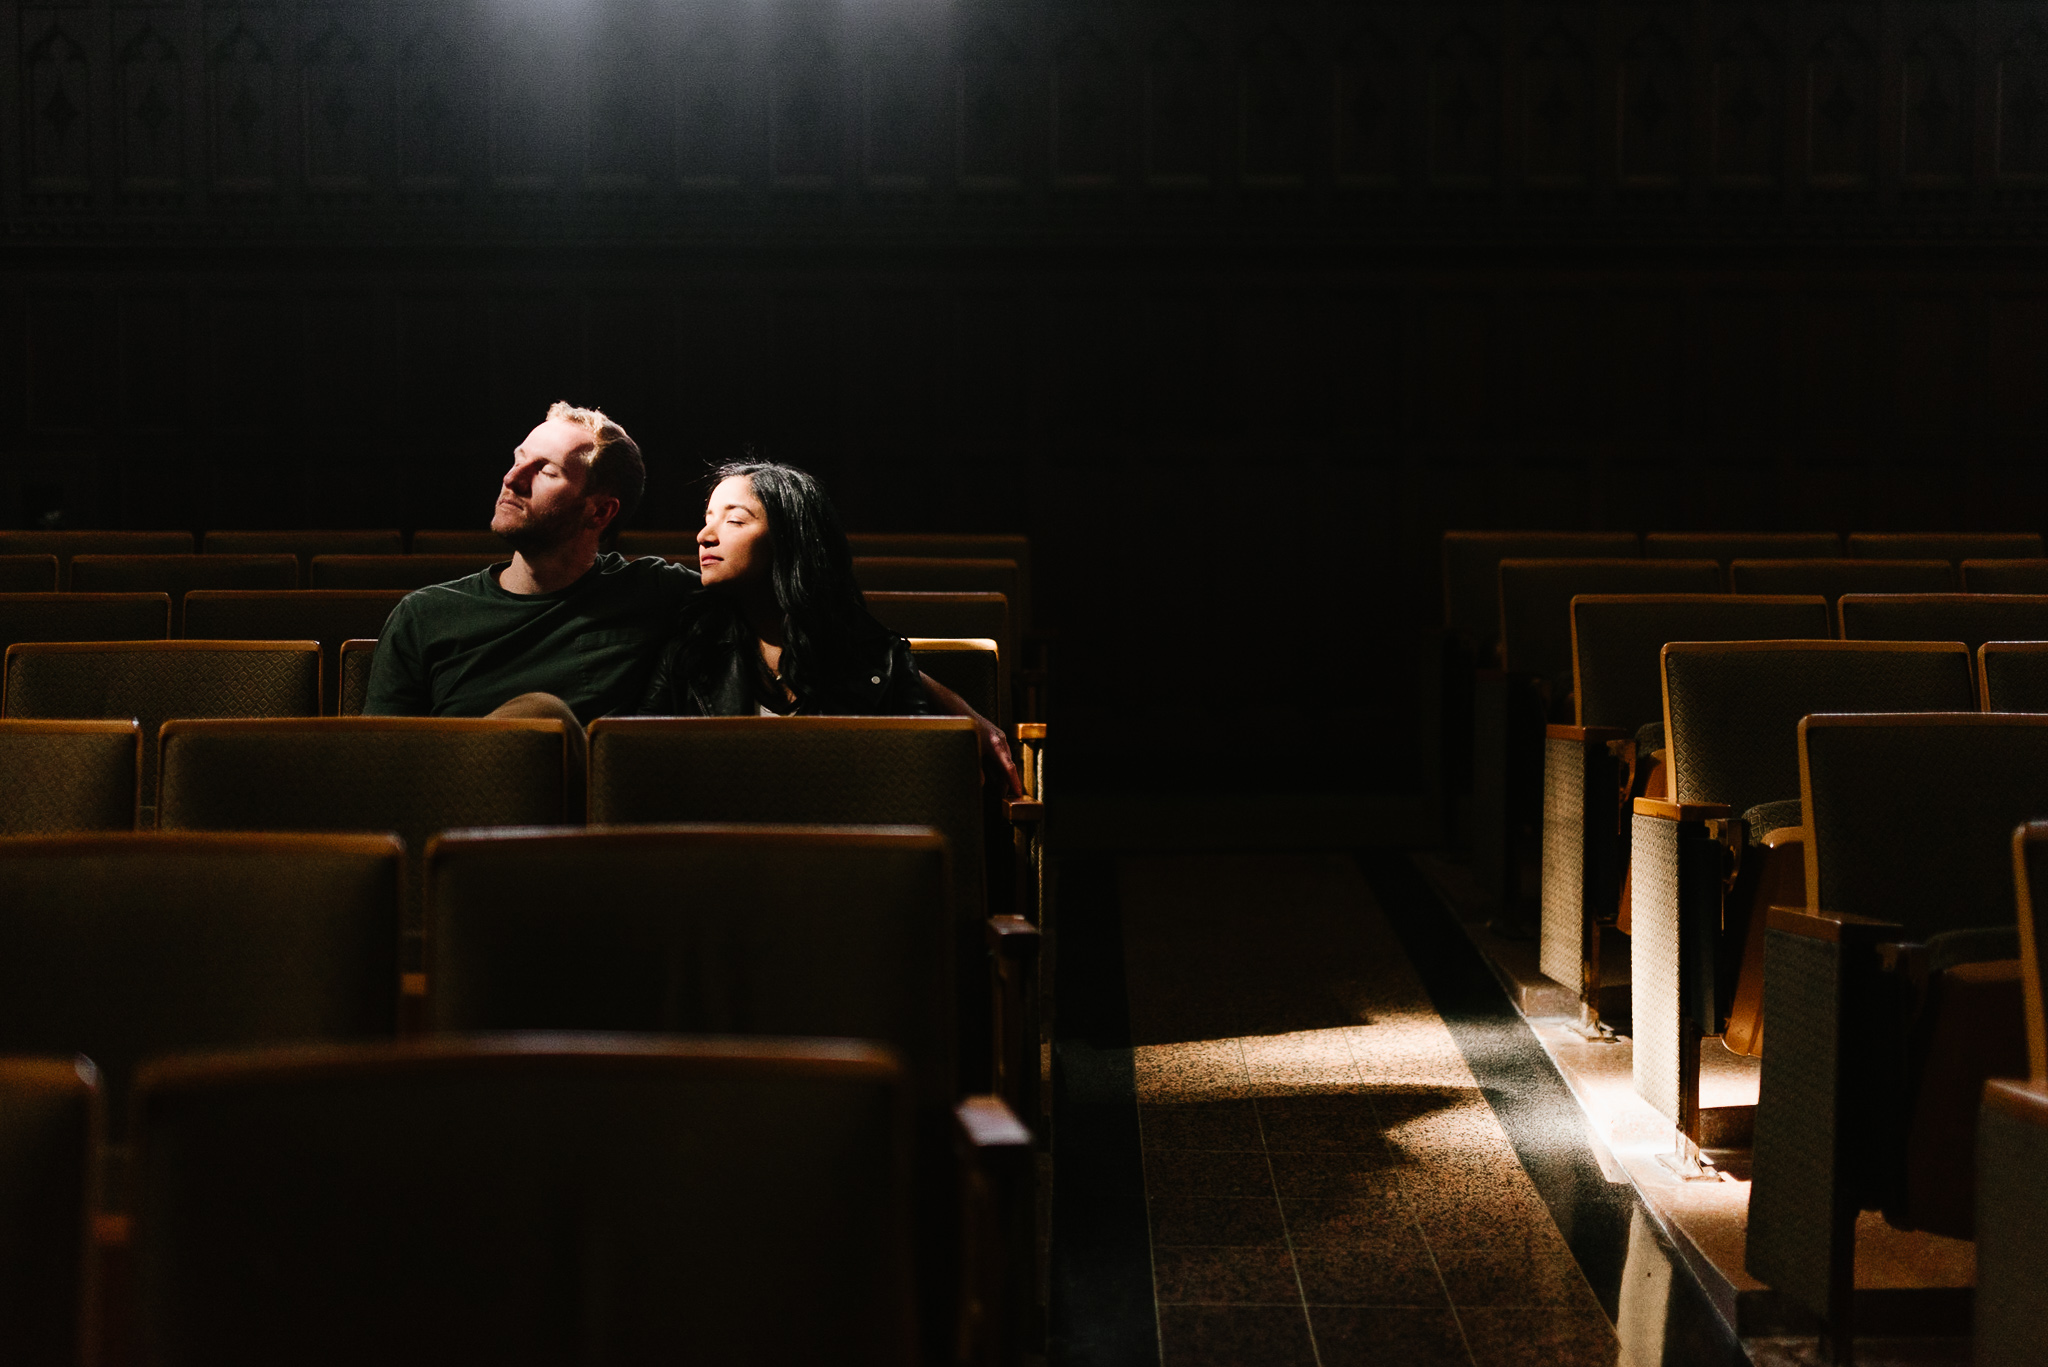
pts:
[562, 630]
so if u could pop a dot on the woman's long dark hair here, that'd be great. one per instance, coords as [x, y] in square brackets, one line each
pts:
[825, 621]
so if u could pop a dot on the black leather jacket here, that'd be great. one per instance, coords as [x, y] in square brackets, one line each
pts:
[884, 683]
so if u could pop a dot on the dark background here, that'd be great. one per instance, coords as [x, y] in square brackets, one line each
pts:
[1232, 308]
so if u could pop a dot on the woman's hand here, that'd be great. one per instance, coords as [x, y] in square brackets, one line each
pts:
[996, 759]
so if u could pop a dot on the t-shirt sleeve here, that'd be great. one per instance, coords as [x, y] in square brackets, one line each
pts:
[398, 678]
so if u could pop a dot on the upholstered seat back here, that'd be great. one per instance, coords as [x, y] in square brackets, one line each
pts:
[2013, 676]
[1536, 604]
[2005, 576]
[67, 544]
[971, 668]
[28, 574]
[303, 545]
[1972, 618]
[1953, 547]
[1618, 643]
[50, 1118]
[1724, 547]
[84, 617]
[58, 776]
[1471, 572]
[1732, 709]
[1833, 578]
[915, 574]
[395, 571]
[178, 575]
[329, 616]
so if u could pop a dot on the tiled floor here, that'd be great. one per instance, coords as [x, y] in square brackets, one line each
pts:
[1326, 1183]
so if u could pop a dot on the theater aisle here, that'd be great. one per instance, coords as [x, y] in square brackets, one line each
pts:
[1324, 1179]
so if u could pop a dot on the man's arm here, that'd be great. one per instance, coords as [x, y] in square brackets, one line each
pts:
[994, 744]
[398, 683]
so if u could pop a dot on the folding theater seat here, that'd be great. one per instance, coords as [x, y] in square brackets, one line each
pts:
[2005, 576]
[921, 771]
[28, 574]
[1726, 547]
[1471, 572]
[84, 617]
[304, 545]
[357, 658]
[840, 931]
[329, 616]
[964, 616]
[128, 947]
[1710, 860]
[177, 575]
[1833, 578]
[527, 1201]
[65, 545]
[1893, 994]
[2012, 1148]
[954, 546]
[2012, 676]
[58, 776]
[395, 571]
[414, 776]
[1535, 689]
[1593, 767]
[50, 1122]
[907, 574]
[155, 681]
[1954, 547]
[468, 541]
[970, 667]
[1972, 618]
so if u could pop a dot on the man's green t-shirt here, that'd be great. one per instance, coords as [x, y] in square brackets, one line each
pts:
[462, 648]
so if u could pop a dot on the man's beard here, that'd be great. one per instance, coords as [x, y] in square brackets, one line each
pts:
[544, 533]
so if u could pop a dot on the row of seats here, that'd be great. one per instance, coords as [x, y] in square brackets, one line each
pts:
[307, 1201]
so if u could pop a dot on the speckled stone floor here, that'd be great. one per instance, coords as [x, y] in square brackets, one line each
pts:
[1325, 1181]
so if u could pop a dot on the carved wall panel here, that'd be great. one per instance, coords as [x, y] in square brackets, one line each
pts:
[56, 103]
[242, 101]
[1656, 109]
[149, 77]
[1936, 102]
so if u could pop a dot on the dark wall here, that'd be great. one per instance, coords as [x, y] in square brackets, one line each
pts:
[1233, 309]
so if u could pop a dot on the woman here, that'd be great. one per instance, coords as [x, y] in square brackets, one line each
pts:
[780, 627]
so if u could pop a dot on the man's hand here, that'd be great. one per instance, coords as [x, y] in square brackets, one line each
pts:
[994, 745]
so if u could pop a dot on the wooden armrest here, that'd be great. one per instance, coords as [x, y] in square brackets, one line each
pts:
[1023, 811]
[1783, 836]
[2025, 1101]
[1590, 735]
[1033, 731]
[998, 1195]
[1012, 937]
[1835, 927]
[1681, 811]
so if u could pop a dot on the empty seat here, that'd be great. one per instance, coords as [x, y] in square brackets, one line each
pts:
[964, 616]
[49, 1122]
[1536, 609]
[415, 776]
[304, 545]
[467, 541]
[2005, 576]
[329, 616]
[1471, 575]
[127, 947]
[1731, 726]
[908, 574]
[154, 681]
[1972, 618]
[177, 575]
[1726, 547]
[955, 546]
[527, 1201]
[2012, 676]
[1954, 547]
[58, 776]
[920, 771]
[1833, 578]
[84, 617]
[28, 574]
[357, 659]
[65, 545]
[1909, 822]
[1592, 765]
[2012, 1210]
[395, 571]
[971, 668]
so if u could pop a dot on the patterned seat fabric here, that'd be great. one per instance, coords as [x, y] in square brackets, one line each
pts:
[973, 669]
[84, 617]
[49, 1113]
[60, 776]
[28, 574]
[65, 545]
[177, 575]
[1471, 573]
[2012, 1210]
[1766, 817]
[1972, 618]
[1536, 608]
[1618, 643]
[357, 659]
[156, 681]
[126, 947]
[1953, 547]
[329, 616]
[2015, 675]
[2005, 576]
[1833, 578]
[303, 545]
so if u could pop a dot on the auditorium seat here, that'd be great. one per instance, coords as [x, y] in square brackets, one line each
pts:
[1954, 547]
[65, 545]
[357, 657]
[177, 575]
[1833, 578]
[50, 1122]
[1894, 992]
[127, 947]
[395, 571]
[1536, 610]
[58, 776]
[971, 668]
[304, 545]
[329, 616]
[1731, 719]
[527, 1202]
[1471, 573]
[1972, 618]
[955, 546]
[2012, 1148]
[468, 541]
[28, 574]
[2012, 676]
[908, 574]
[1726, 547]
[415, 776]
[2005, 576]
[154, 681]
[84, 617]
[921, 771]
[965, 616]
[1593, 766]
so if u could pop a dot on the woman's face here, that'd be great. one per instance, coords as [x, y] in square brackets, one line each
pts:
[734, 547]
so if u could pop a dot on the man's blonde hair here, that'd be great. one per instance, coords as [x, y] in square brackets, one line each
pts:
[613, 458]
